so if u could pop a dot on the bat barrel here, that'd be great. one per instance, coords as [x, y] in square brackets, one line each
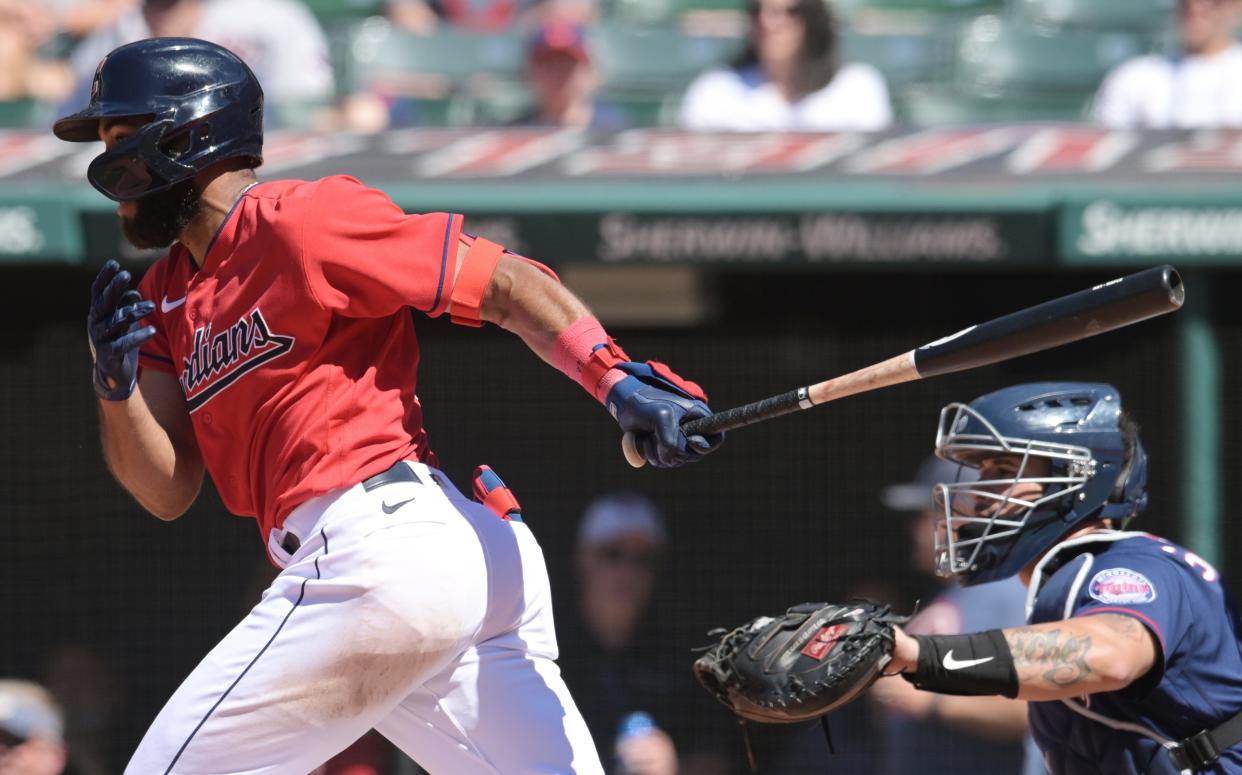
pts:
[1105, 307]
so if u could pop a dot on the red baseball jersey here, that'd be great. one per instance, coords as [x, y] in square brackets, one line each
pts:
[294, 343]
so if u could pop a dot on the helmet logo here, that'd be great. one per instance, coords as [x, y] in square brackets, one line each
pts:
[960, 425]
[96, 81]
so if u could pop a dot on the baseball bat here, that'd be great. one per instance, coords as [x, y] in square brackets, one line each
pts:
[1080, 315]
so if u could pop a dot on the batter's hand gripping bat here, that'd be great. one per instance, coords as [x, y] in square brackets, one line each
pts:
[1080, 315]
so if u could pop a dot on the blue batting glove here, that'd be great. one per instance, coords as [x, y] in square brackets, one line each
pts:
[112, 325]
[652, 402]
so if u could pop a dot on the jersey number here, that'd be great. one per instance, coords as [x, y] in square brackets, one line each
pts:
[1195, 561]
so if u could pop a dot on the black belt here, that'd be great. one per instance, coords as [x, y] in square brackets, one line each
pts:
[1200, 751]
[399, 472]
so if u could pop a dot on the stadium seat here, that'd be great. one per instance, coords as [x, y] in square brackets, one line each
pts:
[498, 107]
[340, 35]
[721, 18]
[506, 106]
[642, 110]
[383, 51]
[293, 114]
[1141, 15]
[1005, 70]
[934, 106]
[428, 77]
[642, 13]
[337, 9]
[928, 6]
[902, 58]
[733, 6]
[725, 18]
[643, 71]
[999, 59]
[655, 59]
[899, 13]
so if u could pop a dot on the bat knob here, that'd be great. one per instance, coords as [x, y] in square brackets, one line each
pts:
[630, 448]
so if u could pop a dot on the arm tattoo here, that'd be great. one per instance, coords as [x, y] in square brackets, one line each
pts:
[1125, 626]
[1056, 657]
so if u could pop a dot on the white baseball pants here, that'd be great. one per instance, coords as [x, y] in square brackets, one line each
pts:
[431, 623]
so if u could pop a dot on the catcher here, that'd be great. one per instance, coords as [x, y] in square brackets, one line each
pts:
[1131, 661]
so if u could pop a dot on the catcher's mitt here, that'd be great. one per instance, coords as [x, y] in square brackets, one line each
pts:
[802, 665]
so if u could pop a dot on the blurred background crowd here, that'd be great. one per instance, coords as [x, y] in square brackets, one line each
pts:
[639, 576]
[367, 65]
[628, 677]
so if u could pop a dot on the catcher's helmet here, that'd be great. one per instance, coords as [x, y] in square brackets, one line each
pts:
[202, 104]
[987, 530]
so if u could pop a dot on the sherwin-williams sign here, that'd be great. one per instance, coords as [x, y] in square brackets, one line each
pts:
[826, 238]
[1182, 229]
[36, 229]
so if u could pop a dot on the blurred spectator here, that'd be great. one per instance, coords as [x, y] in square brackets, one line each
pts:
[788, 78]
[929, 732]
[620, 542]
[563, 80]
[1198, 87]
[31, 739]
[279, 39]
[24, 74]
[79, 18]
[87, 687]
[413, 16]
[609, 658]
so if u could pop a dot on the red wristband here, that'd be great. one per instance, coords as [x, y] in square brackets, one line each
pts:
[586, 354]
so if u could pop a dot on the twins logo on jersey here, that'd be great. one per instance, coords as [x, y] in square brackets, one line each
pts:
[1121, 585]
[220, 360]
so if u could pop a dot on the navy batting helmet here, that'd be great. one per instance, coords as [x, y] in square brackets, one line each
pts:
[201, 103]
[990, 529]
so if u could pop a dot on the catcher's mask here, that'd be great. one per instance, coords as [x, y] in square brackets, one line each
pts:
[1068, 460]
[199, 104]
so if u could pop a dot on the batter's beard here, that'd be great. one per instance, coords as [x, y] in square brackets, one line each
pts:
[161, 217]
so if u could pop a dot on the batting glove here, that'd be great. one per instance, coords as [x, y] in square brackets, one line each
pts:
[652, 402]
[114, 333]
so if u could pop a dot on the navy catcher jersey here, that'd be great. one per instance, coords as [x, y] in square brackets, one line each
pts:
[1197, 681]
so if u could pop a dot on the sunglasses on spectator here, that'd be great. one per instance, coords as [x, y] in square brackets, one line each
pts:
[10, 740]
[615, 555]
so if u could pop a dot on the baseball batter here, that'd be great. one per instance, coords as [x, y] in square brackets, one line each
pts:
[274, 348]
